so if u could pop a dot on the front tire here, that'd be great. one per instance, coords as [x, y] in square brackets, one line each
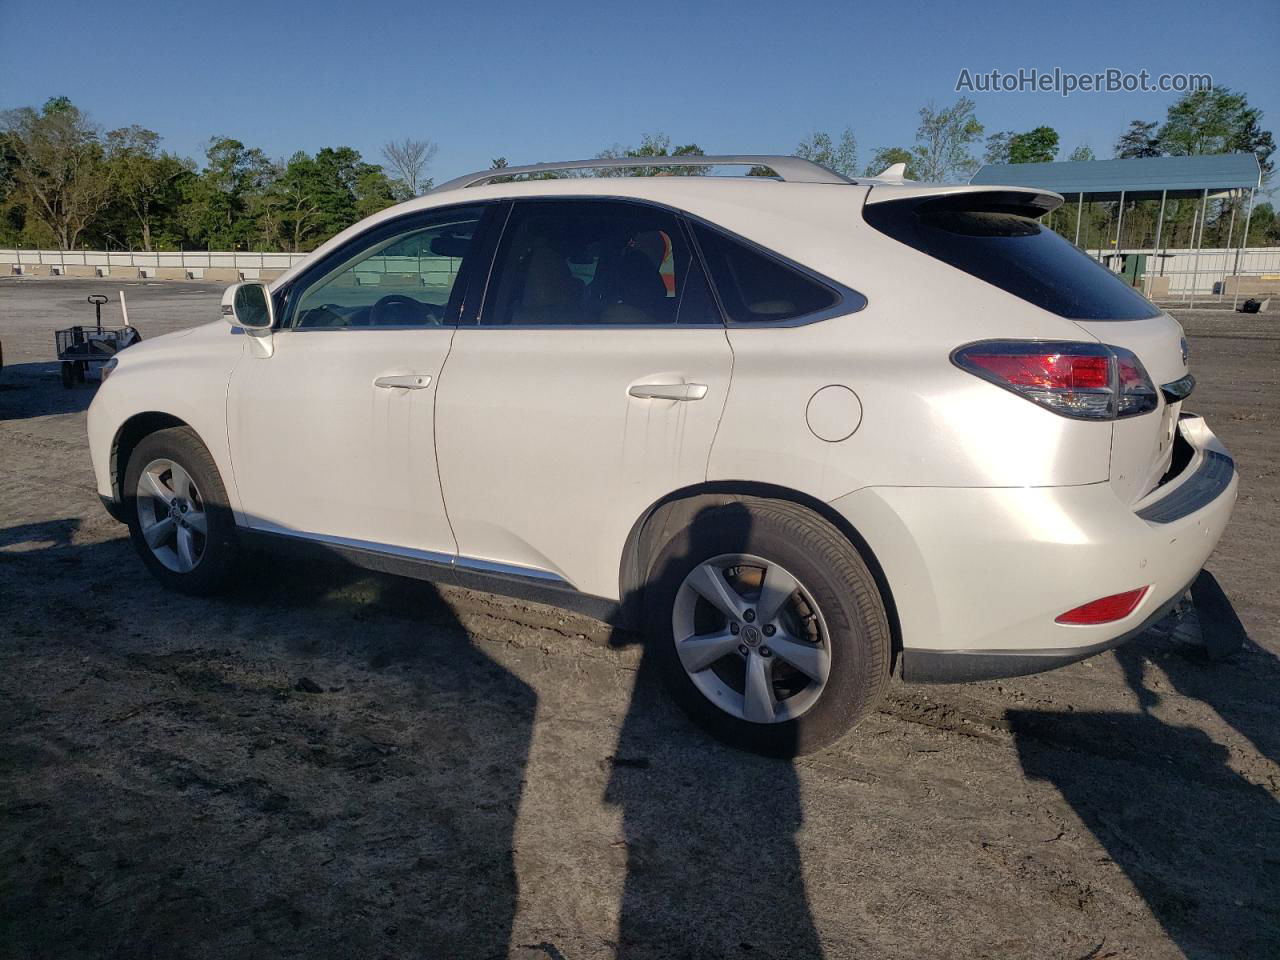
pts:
[176, 507]
[768, 627]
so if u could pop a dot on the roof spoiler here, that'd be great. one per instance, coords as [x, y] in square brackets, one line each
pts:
[1023, 201]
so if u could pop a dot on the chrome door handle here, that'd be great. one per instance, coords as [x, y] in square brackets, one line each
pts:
[410, 381]
[668, 391]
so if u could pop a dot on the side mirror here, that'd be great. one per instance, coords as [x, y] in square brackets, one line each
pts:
[249, 305]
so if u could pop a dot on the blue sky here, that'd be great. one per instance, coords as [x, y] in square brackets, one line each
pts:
[550, 80]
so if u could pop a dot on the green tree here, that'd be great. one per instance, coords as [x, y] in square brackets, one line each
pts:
[943, 141]
[145, 181]
[1139, 141]
[1035, 146]
[1264, 226]
[374, 191]
[1081, 153]
[841, 156]
[311, 198]
[56, 169]
[886, 157]
[1216, 121]
[998, 147]
[221, 201]
[12, 212]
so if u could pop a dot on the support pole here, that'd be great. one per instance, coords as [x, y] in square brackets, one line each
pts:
[1156, 249]
[1195, 264]
[1244, 242]
[1079, 217]
[1226, 253]
[1119, 228]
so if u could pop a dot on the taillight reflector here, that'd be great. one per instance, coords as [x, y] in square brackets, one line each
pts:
[1105, 609]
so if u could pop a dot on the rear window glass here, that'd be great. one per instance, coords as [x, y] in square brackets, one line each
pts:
[1015, 253]
[754, 286]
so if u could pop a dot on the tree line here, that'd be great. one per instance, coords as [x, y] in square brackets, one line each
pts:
[66, 183]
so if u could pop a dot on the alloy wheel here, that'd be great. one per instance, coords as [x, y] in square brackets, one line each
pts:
[751, 638]
[171, 515]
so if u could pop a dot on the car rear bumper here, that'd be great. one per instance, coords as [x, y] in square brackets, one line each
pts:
[979, 576]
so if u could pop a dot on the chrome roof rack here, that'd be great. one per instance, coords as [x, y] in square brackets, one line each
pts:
[790, 169]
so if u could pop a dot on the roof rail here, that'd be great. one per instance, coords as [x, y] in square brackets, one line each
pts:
[790, 169]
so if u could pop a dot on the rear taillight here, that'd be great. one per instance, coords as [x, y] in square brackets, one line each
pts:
[1137, 392]
[1086, 381]
[1105, 609]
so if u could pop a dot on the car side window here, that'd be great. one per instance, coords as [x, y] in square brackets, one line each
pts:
[606, 263]
[406, 277]
[755, 286]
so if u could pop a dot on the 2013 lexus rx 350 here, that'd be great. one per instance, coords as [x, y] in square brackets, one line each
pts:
[805, 432]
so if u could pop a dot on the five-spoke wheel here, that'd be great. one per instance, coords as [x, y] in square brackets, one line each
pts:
[171, 514]
[767, 624]
[177, 511]
[751, 638]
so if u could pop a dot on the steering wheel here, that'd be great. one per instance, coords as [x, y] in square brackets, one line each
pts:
[395, 309]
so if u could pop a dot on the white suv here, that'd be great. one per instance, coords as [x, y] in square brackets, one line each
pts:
[805, 432]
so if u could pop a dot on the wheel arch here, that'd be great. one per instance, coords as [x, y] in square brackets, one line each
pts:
[658, 523]
[127, 438]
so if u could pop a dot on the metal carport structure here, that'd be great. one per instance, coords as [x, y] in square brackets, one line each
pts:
[1148, 178]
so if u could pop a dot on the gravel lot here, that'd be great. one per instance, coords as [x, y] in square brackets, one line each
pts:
[483, 778]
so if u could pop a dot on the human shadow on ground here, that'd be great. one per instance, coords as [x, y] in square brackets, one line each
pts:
[1185, 819]
[321, 763]
[713, 868]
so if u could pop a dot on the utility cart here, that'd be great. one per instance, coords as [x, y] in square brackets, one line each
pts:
[80, 346]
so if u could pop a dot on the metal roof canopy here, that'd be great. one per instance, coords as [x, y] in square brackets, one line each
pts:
[1145, 178]
[1140, 179]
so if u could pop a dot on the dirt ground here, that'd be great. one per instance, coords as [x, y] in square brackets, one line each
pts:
[477, 777]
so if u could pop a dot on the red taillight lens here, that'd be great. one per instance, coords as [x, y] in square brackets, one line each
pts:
[1052, 371]
[1072, 379]
[1104, 610]
[1137, 392]
[1086, 381]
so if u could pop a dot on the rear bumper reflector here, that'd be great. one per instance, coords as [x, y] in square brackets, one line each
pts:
[1105, 609]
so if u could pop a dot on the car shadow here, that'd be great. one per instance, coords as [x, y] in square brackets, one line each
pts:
[713, 868]
[1186, 818]
[321, 762]
[35, 390]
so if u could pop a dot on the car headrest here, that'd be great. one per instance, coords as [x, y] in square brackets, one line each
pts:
[450, 246]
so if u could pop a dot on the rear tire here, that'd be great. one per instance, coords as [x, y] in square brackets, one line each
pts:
[832, 624]
[177, 511]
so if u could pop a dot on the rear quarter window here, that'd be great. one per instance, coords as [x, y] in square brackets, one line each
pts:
[755, 286]
[1014, 252]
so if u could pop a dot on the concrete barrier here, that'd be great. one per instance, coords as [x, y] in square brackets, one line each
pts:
[78, 270]
[1159, 288]
[120, 272]
[34, 270]
[1251, 286]
[267, 275]
[222, 274]
[170, 273]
